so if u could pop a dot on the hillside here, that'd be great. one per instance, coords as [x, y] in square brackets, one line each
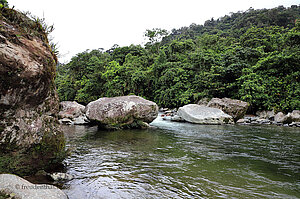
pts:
[238, 23]
[253, 56]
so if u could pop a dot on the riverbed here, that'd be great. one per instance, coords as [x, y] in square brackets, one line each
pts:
[182, 160]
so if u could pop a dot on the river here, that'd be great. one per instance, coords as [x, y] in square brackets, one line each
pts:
[182, 160]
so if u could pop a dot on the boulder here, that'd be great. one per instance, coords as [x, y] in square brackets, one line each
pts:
[61, 176]
[194, 113]
[66, 121]
[243, 121]
[235, 108]
[18, 187]
[30, 135]
[71, 110]
[266, 114]
[282, 118]
[122, 112]
[295, 116]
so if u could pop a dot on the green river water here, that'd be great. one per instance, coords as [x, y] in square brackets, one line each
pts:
[181, 160]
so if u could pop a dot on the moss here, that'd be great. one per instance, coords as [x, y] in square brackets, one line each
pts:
[46, 155]
[4, 195]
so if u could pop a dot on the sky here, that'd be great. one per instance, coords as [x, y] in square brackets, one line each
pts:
[92, 24]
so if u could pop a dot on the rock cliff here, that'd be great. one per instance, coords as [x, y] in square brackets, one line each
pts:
[30, 137]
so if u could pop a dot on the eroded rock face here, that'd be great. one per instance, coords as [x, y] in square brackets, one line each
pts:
[235, 108]
[21, 188]
[198, 114]
[30, 136]
[122, 112]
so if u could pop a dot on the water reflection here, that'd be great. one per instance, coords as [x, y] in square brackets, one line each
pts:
[176, 160]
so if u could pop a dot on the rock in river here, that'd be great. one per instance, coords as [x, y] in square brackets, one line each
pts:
[194, 113]
[71, 110]
[235, 108]
[122, 112]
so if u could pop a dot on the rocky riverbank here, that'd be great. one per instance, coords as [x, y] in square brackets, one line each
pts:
[236, 109]
[269, 117]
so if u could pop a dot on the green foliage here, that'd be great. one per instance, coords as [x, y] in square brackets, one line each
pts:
[3, 3]
[253, 56]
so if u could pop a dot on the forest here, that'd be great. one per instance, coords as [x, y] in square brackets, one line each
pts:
[253, 56]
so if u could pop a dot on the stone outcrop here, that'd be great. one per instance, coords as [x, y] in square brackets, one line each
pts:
[122, 112]
[194, 113]
[236, 108]
[17, 187]
[30, 136]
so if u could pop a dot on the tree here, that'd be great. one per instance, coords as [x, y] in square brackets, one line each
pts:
[3, 3]
[155, 36]
[252, 56]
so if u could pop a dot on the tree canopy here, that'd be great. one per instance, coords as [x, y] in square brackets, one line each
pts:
[253, 56]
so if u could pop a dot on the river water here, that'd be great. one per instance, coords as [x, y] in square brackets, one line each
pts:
[182, 160]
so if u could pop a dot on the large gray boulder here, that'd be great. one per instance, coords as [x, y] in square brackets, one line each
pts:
[122, 112]
[18, 187]
[235, 108]
[194, 113]
[71, 109]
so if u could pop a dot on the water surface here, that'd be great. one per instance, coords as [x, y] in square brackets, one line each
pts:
[181, 160]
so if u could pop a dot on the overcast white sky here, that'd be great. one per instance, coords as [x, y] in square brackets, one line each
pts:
[93, 24]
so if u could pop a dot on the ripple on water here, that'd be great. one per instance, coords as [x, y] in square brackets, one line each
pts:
[181, 160]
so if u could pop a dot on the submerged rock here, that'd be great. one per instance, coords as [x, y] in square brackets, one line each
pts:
[236, 108]
[66, 121]
[18, 187]
[194, 113]
[122, 112]
[30, 137]
[81, 120]
[61, 176]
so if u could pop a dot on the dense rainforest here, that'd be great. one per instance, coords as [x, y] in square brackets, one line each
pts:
[253, 56]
